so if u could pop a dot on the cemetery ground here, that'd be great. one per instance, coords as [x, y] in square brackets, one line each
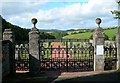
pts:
[56, 77]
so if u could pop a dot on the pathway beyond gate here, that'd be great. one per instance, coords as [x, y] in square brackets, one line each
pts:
[59, 54]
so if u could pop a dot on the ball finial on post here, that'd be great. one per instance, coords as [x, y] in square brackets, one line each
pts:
[34, 21]
[98, 21]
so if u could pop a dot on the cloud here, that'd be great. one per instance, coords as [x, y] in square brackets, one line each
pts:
[74, 15]
[45, 1]
[12, 8]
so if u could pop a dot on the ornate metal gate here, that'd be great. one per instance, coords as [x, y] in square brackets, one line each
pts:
[110, 53]
[66, 55]
[22, 58]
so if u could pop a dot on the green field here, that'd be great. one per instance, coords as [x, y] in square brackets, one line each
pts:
[109, 32]
[78, 36]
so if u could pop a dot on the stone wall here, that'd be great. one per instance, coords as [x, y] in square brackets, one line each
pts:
[6, 62]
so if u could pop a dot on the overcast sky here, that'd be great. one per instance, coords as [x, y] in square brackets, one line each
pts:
[56, 14]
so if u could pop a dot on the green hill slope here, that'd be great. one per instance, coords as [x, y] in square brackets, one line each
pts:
[110, 32]
[78, 36]
[21, 34]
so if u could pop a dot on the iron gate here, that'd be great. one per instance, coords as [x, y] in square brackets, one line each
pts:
[22, 58]
[66, 55]
[110, 53]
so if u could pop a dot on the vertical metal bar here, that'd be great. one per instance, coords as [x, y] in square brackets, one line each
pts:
[67, 55]
[55, 52]
[59, 49]
[89, 51]
[59, 57]
[18, 53]
[51, 57]
[75, 57]
[51, 52]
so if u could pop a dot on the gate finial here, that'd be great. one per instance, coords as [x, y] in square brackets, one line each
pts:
[98, 21]
[34, 21]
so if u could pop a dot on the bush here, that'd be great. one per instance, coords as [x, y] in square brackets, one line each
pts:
[106, 37]
[44, 35]
[113, 38]
[91, 37]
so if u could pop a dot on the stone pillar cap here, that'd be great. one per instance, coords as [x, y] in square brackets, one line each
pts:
[98, 21]
[34, 21]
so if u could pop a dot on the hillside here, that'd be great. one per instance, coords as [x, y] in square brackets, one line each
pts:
[21, 34]
[51, 30]
[110, 32]
[54, 33]
[78, 36]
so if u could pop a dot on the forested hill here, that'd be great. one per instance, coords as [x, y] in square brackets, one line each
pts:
[21, 34]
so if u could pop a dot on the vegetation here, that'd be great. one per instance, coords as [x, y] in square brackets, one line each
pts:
[69, 34]
[117, 12]
[44, 35]
[59, 35]
[78, 36]
[21, 34]
[109, 34]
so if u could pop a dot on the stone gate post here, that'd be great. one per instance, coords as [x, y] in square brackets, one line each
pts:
[9, 35]
[118, 49]
[34, 49]
[98, 42]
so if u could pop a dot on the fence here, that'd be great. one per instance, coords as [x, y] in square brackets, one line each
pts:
[62, 55]
[66, 55]
[22, 58]
[110, 54]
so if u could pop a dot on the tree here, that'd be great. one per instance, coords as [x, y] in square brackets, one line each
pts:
[44, 35]
[21, 34]
[113, 38]
[106, 37]
[59, 35]
[91, 37]
[117, 12]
